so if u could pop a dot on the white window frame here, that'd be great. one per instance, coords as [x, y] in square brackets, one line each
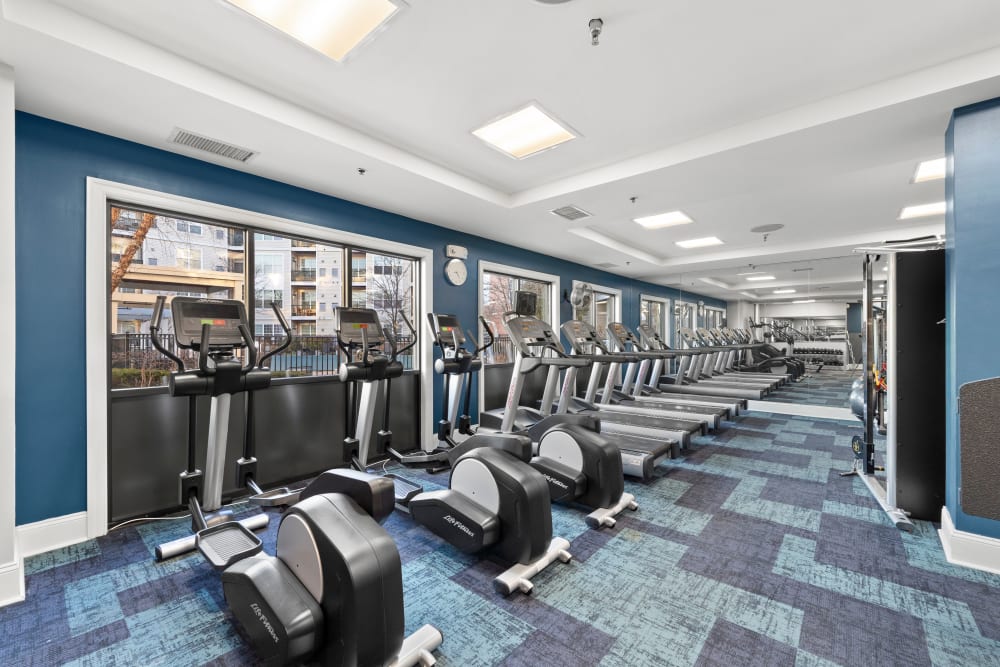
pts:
[517, 272]
[617, 293]
[100, 193]
[666, 323]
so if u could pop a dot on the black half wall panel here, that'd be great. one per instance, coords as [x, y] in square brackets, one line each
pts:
[496, 383]
[979, 447]
[300, 433]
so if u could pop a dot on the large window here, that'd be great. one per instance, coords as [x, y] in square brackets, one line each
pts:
[386, 283]
[603, 308]
[714, 318]
[685, 316]
[498, 298]
[653, 311]
[151, 253]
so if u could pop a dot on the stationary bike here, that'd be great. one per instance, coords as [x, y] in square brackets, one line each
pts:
[333, 592]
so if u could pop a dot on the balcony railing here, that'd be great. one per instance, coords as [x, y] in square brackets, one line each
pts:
[306, 310]
[136, 363]
[304, 274]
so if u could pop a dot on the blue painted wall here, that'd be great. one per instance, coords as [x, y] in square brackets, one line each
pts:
[972, 266]
[53, 161]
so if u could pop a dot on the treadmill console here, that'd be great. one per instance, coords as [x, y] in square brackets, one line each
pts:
[650, 338]
[582, 336]
[528, 332]
[349, 323]
[690, 338]
[623, 335]
[225, 316]
[447, 330]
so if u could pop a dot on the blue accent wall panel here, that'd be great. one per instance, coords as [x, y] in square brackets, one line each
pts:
[972, 275]
[855, 319]
[53, 161]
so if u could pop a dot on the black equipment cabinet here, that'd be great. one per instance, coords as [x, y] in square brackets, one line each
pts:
[916, 308]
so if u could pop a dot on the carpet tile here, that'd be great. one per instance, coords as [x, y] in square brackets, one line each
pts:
[749, 549]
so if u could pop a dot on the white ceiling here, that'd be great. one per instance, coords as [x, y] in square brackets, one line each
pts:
[811, 116]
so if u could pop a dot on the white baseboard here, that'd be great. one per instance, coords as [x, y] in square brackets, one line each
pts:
[802, 410]
[968, 549]
[42, 536]
[11, 582]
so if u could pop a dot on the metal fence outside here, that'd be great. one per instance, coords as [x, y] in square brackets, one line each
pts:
[136, 363]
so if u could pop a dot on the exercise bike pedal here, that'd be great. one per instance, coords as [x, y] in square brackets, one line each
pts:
[405, 490]
[227, 543]
[276, 497]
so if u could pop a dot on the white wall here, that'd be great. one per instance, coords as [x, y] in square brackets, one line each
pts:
[738, 312]
[804, 310]
[11, 574]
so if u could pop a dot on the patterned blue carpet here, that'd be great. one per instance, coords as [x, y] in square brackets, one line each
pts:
[749, 550]
[830, 387]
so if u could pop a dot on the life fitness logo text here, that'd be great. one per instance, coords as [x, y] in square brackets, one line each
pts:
[263, 620]
[458, 524]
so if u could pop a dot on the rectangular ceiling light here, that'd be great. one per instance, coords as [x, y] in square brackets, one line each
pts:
[524, 132]
[784, 291]
[930, 170]
[760, 277]
[699, 243]
[805, 301]
[332, 27]
[662, 220]
[923, 211]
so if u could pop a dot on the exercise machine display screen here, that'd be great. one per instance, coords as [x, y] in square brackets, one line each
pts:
[224, 315]
[351, 322]
[447, 329]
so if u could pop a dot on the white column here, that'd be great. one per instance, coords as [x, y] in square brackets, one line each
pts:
[11, 571]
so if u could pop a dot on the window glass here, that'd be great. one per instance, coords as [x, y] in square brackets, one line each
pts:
[153, 254]
[653, 313]
[600, 312]
[499, 297]
[386, 284]
[285, 273]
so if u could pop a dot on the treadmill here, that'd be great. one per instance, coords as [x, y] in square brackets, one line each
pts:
[650, 341]
[642, 446]
[702, 368]
[614, 404]
[725, 363]
[681, 383]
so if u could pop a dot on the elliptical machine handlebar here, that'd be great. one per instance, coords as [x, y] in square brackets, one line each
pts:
[154, 333]
[284, 327]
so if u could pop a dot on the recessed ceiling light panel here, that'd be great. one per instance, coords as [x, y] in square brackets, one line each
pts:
[923, 211]
[332, 27]
[760, 277]
[700, 243]
[784, 291]
[661, 220]
[930, 170]
[524, 132]
[805, 301]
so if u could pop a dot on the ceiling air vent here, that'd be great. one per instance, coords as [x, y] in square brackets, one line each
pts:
[570, 213]
[605, 265]
[214, 146]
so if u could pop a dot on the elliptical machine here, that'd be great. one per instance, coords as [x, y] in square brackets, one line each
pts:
[495, 501]
[333, 592]
[580, 465]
